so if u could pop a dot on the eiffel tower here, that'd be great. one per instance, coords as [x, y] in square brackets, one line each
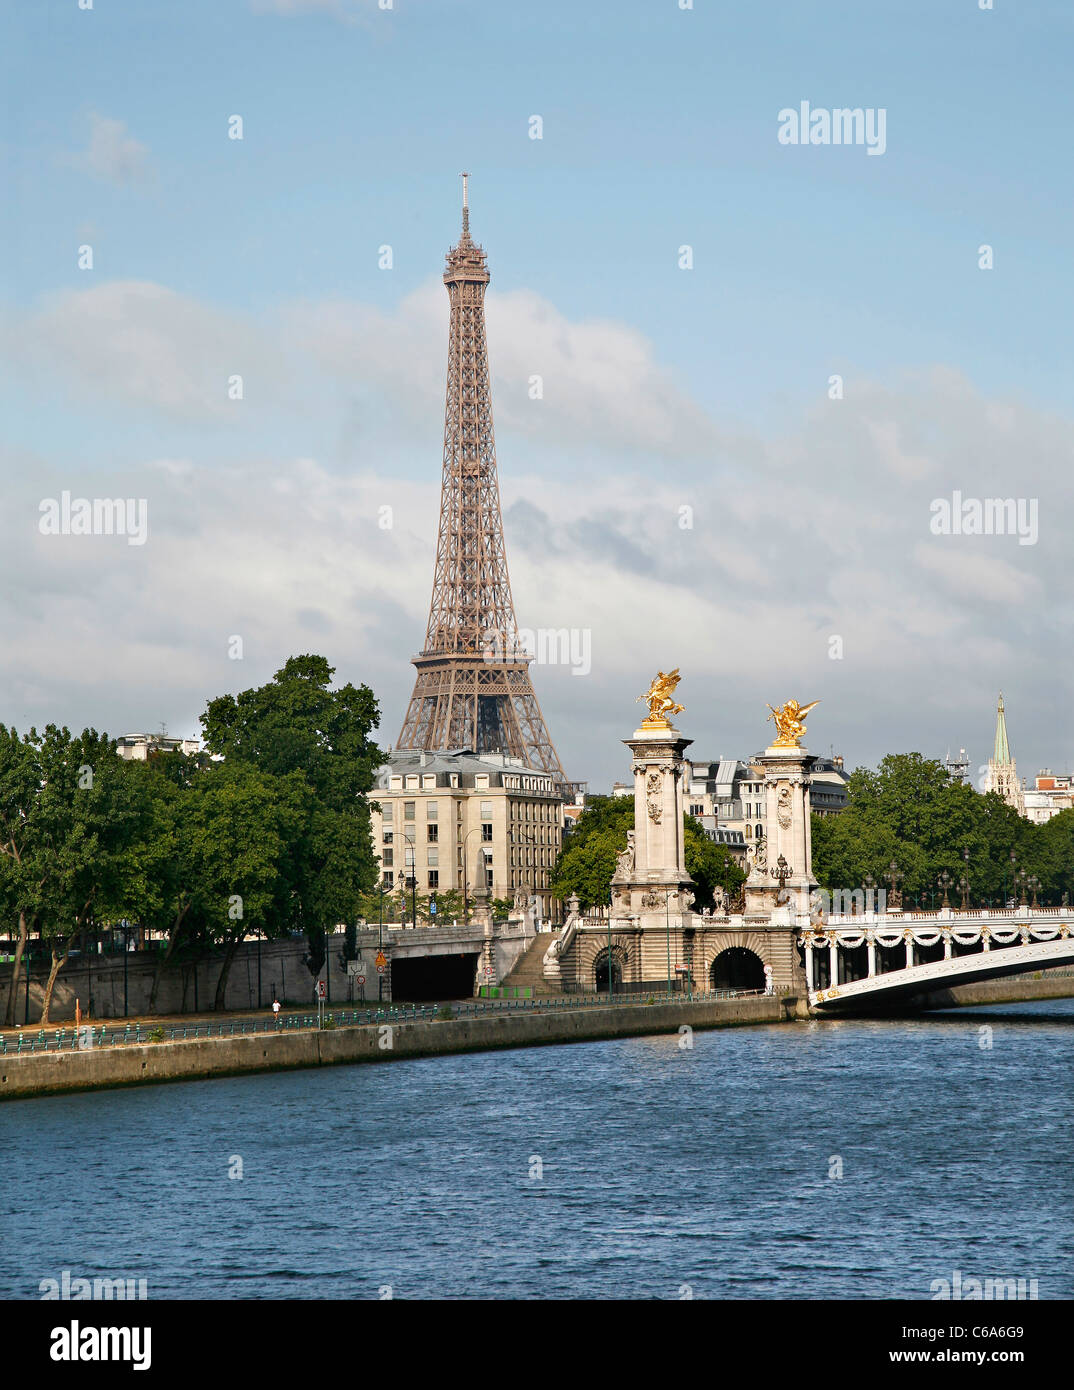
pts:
[473, 687]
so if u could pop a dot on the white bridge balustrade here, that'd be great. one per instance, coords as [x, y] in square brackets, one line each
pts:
[875, 957]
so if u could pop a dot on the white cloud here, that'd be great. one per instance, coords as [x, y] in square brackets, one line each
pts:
[821, 531]
[148, 346]
[112, 153]
[977, 572]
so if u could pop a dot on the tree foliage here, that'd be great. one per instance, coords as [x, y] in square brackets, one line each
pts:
[296, 728]
[586, 862]
[908, 810]
[270, 834]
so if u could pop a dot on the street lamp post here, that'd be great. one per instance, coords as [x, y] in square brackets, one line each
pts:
[466, 873]
[1034, 883]
[413, 877]
[380, 948]
[944, 882]
[126, 948]
[611, 972]
[667, 925]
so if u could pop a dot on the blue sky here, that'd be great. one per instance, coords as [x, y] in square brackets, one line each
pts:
[659, 130]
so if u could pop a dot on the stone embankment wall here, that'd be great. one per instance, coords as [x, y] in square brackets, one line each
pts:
[1013, 989]
[40, 1074]
[97, 983]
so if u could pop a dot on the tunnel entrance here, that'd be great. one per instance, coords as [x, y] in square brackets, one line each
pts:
[600, 973]
[737, 968]
[420, 979]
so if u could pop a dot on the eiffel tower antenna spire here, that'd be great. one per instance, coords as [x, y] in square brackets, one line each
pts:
[473, 687]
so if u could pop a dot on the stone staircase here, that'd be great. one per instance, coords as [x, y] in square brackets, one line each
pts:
[528, 970]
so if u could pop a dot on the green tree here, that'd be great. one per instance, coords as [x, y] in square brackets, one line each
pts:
[20, 790]
[296, 726]
[710, 865]
[909, 811]
[587, 859]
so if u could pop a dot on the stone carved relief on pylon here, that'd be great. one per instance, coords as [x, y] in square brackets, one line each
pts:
[624, 865]
[653, 786]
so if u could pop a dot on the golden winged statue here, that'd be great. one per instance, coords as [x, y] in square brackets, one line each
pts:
[790, 721]
[658, 698]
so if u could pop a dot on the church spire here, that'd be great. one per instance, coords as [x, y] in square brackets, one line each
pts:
[1002, 753]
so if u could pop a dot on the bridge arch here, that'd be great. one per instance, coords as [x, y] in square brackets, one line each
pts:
[737, 967]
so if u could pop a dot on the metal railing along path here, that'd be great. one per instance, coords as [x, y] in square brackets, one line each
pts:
[89, 1036]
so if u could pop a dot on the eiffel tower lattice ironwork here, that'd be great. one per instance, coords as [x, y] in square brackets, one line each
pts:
[473, 687]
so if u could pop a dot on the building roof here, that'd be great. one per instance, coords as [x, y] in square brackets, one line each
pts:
[441, 762]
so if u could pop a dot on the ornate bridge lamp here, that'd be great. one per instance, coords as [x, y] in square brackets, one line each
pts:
[781, 873]
[869, 883]
[1014, 859]
[1034, 884]
[964, 889]
[1022, 877]
[944, 882]
[895, 877]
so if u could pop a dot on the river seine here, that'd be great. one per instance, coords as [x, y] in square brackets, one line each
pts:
[827, 1160]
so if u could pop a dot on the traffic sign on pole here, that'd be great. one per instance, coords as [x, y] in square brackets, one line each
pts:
[322, 989]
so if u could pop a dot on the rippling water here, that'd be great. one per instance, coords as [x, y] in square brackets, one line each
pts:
[662, 1168]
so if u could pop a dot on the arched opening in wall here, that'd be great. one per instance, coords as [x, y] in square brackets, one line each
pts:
[420, 979]
[853, 963]
[600, 972]
[737, 968]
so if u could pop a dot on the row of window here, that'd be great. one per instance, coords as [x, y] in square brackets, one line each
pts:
[432, 879]
[545, 857]
[426, 781]
[520, 811]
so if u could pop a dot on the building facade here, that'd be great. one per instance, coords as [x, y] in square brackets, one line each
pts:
[1050, 795]
[466, 822]
[137, 747]
[729, 797]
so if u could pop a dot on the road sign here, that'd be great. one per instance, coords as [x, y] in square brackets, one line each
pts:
[432, 907]
[489, 972]
[361, 979]
[322, 989]
[382, 960]
[380, 970]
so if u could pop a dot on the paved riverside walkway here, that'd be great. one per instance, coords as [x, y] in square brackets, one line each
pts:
[236, 1046]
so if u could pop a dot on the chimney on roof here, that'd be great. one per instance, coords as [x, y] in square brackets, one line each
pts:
[421, 758]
